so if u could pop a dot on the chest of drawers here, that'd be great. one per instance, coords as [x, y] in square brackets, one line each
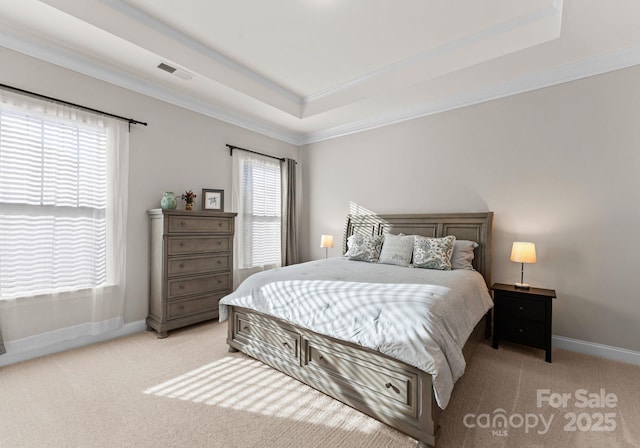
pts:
[191, 265]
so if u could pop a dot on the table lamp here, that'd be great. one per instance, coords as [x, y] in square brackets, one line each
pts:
[522, 252]
[326, 241]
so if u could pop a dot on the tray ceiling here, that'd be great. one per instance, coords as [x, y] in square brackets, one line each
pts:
[307, 70]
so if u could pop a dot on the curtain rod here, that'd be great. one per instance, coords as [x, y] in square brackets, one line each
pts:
[67, 103]
[231, 148]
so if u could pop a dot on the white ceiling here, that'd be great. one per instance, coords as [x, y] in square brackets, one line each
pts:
[307, 70]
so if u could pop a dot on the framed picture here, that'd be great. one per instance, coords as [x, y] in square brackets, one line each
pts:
[212, 200]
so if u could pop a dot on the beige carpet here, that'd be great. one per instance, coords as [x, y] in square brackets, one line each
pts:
[187, 391]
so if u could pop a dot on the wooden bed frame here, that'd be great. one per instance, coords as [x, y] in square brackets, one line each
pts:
[388, 390]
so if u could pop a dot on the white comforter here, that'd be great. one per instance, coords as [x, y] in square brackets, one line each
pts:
[422, 317]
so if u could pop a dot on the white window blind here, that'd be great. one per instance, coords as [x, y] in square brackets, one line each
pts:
[261, 211]
[53, 200]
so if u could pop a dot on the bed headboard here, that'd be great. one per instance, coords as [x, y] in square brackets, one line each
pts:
[476, 227]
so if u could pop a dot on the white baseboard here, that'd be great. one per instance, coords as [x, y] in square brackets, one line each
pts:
[599, 350]
[67, 338]
[81, 335]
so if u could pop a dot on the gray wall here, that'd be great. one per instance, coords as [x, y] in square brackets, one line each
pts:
[558, 166]
[179, 150]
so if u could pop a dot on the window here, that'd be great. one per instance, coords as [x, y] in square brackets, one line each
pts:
[54, 196]
[260, 207]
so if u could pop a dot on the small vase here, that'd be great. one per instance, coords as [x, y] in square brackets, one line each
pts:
[168, 201]
[188, 206]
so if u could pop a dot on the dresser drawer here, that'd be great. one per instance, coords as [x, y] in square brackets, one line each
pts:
[195, 245]
[268, 338]
[185, 286]
[524, 332]
[197, 265]
[520, 308]
[389, 388]
[186, 224]
[183, 308]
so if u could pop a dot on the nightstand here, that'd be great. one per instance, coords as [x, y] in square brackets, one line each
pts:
[523, 316]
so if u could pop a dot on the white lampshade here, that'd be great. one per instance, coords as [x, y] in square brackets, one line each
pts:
[326, 241]
[522, 252]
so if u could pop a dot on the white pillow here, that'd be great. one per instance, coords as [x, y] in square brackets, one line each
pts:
[396, 249]
[462, 257]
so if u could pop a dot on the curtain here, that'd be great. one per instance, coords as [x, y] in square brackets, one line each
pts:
[289, 214]
[63, 212]
[257, 200]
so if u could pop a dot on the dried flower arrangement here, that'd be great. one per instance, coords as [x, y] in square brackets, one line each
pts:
[188, 197]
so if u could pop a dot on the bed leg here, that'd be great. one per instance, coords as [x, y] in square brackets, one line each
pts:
[233, 350]
[422, 444]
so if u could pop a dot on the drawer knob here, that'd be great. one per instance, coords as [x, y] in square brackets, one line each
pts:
[286, 344]
[321, 358]
[520, 330]
[181, 243]
[181, 286]
[521, 308]
[245, 328]
[219, 261]
[182, 223]
[391, 386]
[181, 266]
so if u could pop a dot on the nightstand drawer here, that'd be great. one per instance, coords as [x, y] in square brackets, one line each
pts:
[519, 308]
[524, 332]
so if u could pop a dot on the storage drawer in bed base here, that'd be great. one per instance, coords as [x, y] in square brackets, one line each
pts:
[388, 390]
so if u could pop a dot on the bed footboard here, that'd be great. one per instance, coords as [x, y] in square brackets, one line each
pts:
[388, 390]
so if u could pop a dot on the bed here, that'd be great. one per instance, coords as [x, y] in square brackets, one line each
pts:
[366, 368]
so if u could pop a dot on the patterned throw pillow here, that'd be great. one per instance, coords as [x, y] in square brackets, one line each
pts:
[433, 253]
[364, 248]
[396, 249]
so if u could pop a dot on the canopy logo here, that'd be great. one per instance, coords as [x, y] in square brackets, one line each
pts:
[500, 422]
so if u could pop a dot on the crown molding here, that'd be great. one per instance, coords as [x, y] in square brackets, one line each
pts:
[142, 17]
[442, 50]
[546, 78]
[73, 61]
[585, 68]
[554, 8]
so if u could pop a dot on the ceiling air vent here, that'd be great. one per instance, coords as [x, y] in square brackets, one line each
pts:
[175, 71]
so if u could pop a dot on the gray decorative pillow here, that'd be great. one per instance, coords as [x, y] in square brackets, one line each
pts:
[462, 257]
[433, 253]
[364, 248]
[396, 249]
